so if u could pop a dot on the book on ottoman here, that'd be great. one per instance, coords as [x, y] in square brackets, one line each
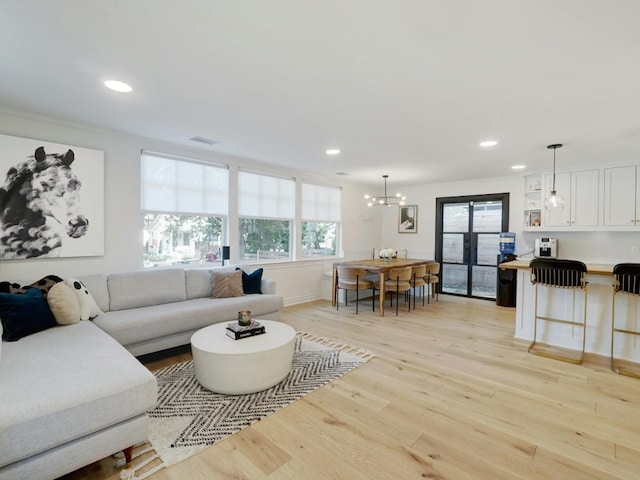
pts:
[237, 331]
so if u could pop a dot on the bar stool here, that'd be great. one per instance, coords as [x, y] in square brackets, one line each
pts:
[626, 279]
[352, 278]
[565, 274]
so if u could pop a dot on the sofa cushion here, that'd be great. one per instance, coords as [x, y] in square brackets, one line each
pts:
[88, 307]
[198, 281]
[97, 286]
[64, 304]
[145, 288]
[65, 383]
[130, 327]
[24, 314]
[226, 284]
[252, 282]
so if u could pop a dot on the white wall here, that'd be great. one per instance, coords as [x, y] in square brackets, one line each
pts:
[422, 243]
[363, 228]
[297, 281]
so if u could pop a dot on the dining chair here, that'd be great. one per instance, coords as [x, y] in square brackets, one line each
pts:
[418, 282]
[432, 278]
[402, 253]
[352, 278]
[626, 280]
[397, 280]
[554, 274]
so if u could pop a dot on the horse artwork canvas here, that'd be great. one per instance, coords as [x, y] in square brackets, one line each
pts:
[46, 209]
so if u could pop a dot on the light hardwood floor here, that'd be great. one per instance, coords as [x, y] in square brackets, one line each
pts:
[450, 395]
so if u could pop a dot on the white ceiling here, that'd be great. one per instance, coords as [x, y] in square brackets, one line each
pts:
[404, 87]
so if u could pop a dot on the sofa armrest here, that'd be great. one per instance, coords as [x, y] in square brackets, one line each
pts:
[268, 286]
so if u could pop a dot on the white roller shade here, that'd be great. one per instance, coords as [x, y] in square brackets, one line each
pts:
[178, 186]
[265, 196]
[321, 203]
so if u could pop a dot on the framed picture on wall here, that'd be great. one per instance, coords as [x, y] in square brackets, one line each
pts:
[408, 219]
[51, 199]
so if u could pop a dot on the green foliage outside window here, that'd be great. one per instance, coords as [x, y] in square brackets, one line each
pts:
[318, 238]
[176, 239]
[261, 238]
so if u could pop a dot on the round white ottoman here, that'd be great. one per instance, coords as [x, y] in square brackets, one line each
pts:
[248, 365]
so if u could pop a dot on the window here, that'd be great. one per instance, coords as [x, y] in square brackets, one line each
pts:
[266, 208]
[184, 207]
[321, 214]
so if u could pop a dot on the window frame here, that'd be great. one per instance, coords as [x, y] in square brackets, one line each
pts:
[333, 214]
[176, 186]
[259, 211]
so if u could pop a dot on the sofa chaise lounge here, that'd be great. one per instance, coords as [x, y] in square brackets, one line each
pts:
[71, 395]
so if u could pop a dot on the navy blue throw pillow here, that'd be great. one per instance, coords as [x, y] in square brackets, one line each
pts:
[252, 282]
[24, 314]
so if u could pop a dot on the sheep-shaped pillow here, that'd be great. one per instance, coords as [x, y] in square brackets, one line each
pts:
[88, 307]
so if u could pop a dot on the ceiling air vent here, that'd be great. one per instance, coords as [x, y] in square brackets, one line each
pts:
[206, 140]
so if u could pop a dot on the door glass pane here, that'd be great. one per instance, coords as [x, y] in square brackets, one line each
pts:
[487, 216]
[455, 217]
[483, 282]
[488, 248]
[454, 278]
[453, 248]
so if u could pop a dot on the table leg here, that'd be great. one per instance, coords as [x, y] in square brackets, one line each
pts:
[382, 275]
[334, 295]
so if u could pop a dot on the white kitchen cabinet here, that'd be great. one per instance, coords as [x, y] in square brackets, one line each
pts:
[621, 197]
[532, 202]
[581, 193]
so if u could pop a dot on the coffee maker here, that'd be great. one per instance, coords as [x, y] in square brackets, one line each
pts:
[546, 247]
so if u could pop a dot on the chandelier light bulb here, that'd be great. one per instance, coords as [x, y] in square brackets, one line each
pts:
[386, 200]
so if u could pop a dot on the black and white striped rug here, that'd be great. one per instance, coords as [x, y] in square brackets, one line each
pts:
[189, 418]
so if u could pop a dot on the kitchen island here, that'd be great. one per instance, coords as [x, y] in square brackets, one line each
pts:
[568, 304]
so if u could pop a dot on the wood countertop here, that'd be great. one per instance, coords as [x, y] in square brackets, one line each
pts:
[592, 268]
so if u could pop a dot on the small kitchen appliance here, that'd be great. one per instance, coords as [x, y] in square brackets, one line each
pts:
[546, 247]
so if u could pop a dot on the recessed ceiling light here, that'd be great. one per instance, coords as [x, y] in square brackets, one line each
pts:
[488, 143]
[333, 151]
[518, 167]
[118, 86]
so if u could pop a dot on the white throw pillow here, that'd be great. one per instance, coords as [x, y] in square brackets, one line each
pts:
[88, 307]
[64, 304]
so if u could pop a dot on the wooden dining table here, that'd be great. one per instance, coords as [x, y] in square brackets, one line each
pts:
[379, 266]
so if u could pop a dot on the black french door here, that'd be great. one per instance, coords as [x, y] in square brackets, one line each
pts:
[468, 242]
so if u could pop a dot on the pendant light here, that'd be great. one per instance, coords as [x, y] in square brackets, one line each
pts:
[554, 202]
[385, 200]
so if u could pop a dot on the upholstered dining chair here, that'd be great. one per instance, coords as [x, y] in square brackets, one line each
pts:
[418, 282]
[397, 280]
[432, 278]
[352, 278]
[402, 253]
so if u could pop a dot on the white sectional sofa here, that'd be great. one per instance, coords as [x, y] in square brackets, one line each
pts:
[71, 395]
